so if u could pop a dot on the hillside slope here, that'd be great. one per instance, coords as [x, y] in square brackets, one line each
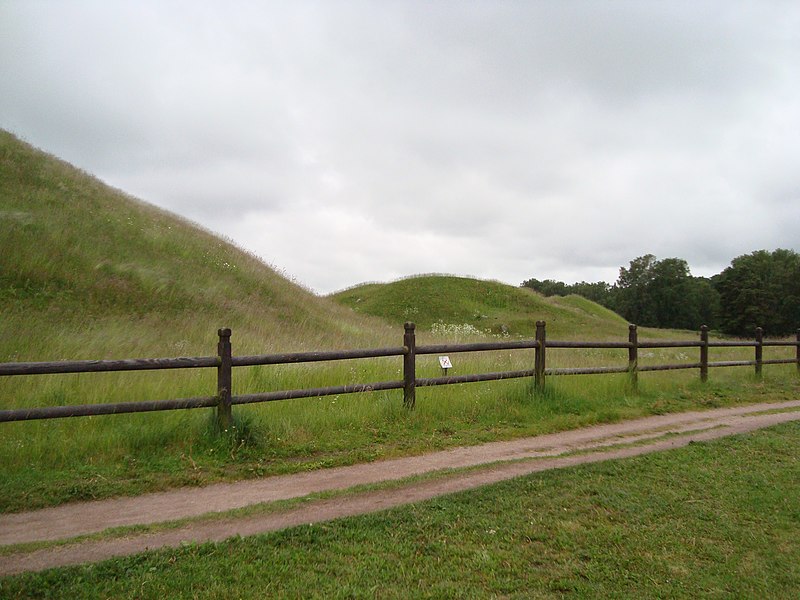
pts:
[486, 306]
[86, 266]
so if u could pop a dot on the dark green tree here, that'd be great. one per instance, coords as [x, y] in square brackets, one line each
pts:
[760, 289]
[707, 301]
[663, 293]
[632, 291]
[672, 293]
[548, 287]
[599, 292]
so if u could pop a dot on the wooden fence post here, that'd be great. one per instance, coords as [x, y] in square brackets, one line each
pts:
[410, 367]
[539, 358]
[798, 351]
[633, 357]
[224, 380]
[759, 350]
[704, 353]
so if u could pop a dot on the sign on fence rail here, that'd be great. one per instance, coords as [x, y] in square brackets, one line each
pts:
[225, 361]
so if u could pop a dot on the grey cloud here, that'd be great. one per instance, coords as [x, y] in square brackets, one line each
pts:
[503, 139]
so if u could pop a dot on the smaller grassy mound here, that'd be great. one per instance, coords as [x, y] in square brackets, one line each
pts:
[483, 306]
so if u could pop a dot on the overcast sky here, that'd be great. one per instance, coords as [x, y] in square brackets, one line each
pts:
[351, 141]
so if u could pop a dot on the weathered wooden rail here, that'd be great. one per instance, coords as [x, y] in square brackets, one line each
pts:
[224, 362]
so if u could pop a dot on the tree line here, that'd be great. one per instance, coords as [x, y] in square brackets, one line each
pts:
[760, 289]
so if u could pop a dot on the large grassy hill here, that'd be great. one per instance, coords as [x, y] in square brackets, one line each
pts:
[88, 272]
[447, 302]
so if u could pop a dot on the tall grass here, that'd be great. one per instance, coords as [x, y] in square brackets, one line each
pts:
[48, 462]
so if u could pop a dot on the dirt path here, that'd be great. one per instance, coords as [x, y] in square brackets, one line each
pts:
[502, 460]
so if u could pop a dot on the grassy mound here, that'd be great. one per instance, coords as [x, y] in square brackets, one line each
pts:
[485, 306]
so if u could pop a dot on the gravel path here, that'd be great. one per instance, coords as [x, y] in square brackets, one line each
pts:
[501, 460]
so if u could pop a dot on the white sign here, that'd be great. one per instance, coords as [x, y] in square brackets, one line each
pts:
[445, 363]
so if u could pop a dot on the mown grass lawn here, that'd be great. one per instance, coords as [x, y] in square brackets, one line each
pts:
[713, 520]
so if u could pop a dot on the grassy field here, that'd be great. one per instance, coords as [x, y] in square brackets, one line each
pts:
[90, 273]
[717, 519]
[56, 461]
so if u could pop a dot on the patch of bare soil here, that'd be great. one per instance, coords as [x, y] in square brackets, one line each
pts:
[497, 461]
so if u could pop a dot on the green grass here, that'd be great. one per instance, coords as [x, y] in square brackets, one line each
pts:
[90, 273]
[717, 519]
[51, 462]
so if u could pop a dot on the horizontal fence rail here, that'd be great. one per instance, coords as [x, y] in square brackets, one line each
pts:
[305, 357]
[99, 366]
[224, 362]
[117, 408]
[476, 347]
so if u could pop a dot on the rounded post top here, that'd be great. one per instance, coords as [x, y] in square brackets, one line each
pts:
[409, 326]
[631, 327]
[540, 323]
[224, 332]
[703, 327]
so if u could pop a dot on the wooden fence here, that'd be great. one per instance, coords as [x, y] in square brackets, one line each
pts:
[224, 362]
